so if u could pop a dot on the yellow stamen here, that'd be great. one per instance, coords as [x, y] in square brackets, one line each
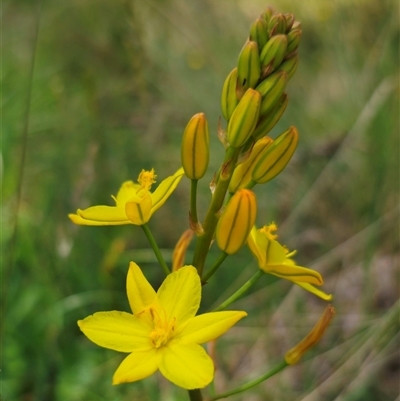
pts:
[163, 330]
[269, 230]
[147, 178]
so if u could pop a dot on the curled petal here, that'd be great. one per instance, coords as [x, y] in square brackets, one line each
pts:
[186, 365]
[294, 273]
[138, 209]
[119, 331]
[310, 288]
[165, 189]
[100, 216]
[136, 366]
[127, 191]
[209, 326]
[76, 219]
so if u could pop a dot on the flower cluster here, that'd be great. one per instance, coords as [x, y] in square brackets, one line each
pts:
[163, 332]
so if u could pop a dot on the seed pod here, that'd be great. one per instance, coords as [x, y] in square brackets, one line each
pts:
[244, 119]
[269, 120]
[229, 99]
[259, 33]
[195, 149]
[249, 69]
[236, 221]
[243, 172]
[273, 53]
[271, 90]
[276, 156]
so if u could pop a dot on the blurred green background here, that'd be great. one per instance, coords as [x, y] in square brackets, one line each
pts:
[94, 91]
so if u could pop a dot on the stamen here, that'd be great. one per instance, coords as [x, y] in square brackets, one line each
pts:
[269, 230]
[147, 178]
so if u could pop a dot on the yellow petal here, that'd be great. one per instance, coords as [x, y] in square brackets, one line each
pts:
[136, 366]
[294, 273]
[128, 190]
[106, 214]
[207, 327]
[140, 292]
[165, 189]
[179, 295]
[186, 365]
[253, 242]
[138, 208]
[275, 252]
[115, 330]
[315, 291]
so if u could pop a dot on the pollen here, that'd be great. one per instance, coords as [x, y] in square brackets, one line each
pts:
[269, 230]
[147, 178]
[163, 329]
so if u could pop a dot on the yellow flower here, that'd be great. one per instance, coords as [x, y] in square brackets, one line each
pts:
[163, 332]
[275, 259]
[135, 204]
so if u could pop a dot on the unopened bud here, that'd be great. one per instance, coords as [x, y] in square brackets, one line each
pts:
[289, 66]
[267, 14]
[243, 172]
[312, 338]
[275, 158]
[277, 25]
[229, 99]
[195, 147]
[293, 38]
[244, 119]
[269, 120]
[236, 221]
[259, 33]
[178, 256]
[273, 53]
[248, 69]
[271, 90]
[289, 21]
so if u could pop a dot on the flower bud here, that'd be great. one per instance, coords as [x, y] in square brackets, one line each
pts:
[267, 14]
[312, 338]
[242, 173]
[259, 33]
[289, 66]
[273, 53]
[138, 208]
[289, 21]
[236, 221]
[293, 38]
[275, 158]
[248, 69]
[244, 119]
[229, 99]
[195, 147]
[271, 90]
[178, 256]
[269, 120]
[277, 25]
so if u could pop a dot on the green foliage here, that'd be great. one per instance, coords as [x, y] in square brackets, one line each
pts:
[112, 87]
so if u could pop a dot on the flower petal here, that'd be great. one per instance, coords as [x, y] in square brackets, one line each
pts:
[275, 252]
[76, 219]
[140, 292]
[207, 327]
[136, 366]
[111, 214]
[186, 365]
[294, 273]
[128, 190]
[315, 291]
[138, 209]
[179, 295]
[115, 330]
[165, 189]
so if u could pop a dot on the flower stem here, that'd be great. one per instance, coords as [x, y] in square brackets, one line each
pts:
[156, 249]
[211, 220]
[195, 395]
[193, 203]
[217, 264]
[282, 365]
[249, 283]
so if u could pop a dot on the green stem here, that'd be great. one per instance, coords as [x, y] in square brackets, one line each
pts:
[217, 264]
[282, 365]
[156, 249]
[238, 294]
[195, 395]
[193, 203]
[211, 220]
